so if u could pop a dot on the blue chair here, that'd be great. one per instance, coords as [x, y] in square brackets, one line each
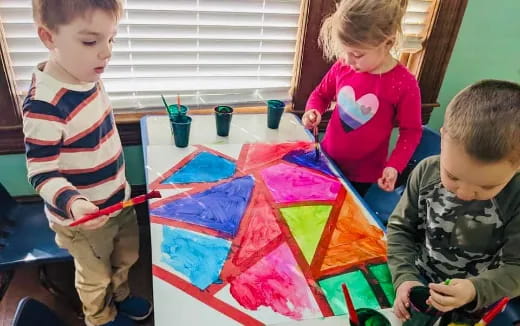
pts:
[383, 203]
[25, 238]
[32, 312]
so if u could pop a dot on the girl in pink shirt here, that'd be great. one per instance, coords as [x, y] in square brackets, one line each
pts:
[372, 91]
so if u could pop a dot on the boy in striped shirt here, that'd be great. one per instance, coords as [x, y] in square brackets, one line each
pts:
[75, 157]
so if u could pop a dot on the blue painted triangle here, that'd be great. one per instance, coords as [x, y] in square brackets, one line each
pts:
[198, 257]
[220, 208]
[204, 167]
[308, 160]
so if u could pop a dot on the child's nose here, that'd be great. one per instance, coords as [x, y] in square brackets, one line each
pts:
[106, 53]
[350, 60]
[465, 194]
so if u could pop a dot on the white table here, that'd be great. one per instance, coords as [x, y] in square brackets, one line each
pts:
[173, 305]
[245, 128]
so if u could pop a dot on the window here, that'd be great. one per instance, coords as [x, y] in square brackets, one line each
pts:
[208, 51]
[237, 52]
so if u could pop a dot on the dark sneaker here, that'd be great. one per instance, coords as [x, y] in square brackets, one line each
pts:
[121, 320]
[136, 308]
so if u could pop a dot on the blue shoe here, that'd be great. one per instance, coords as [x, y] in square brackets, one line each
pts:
[135, 308]
[121, 320]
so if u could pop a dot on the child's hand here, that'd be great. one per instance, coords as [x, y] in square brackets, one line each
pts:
[82, 207]
[388, 179]
[311, 119]
[402, 301]
[448, 297]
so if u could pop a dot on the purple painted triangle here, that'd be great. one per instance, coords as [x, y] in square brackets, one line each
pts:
[308, 160]
[220, 208]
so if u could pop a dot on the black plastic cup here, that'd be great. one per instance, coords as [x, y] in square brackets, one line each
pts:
[371, 317]
[275, 110]
[223, 115]
[421, 314]
[181, 130]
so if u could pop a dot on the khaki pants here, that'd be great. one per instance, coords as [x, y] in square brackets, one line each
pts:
[102, 259]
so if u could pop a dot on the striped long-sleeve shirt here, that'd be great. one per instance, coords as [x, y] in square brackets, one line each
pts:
[72, 145]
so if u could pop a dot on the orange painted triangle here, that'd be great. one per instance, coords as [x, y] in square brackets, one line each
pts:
[354, 240]
[262, 228]
[263, 154]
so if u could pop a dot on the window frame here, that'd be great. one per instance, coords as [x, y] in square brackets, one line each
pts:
[309, 67]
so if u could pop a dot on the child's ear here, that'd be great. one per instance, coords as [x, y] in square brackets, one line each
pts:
[390, 42]
[46, 37]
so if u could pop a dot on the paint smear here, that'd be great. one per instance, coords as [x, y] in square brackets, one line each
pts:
[204, 167]
[261, 230]
[198, 257]
[354, 239]
[263, 154]
[308, 160]
[220, 208]
[383, 276]
[276, 282]
[358, 287]
[290, 184]
[306, 224]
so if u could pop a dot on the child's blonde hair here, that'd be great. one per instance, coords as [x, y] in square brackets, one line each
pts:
[485, 119]
[361, 23]
[53, 13]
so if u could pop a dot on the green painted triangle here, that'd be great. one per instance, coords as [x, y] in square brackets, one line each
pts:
[306, 224]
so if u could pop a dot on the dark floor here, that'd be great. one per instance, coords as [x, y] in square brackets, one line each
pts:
[26, 283]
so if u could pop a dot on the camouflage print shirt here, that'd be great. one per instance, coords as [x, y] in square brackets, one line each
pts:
[433, 236]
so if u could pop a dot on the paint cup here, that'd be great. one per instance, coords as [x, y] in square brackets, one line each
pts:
[223, 115]
[181, 130]
[275, 110]
[371, 317]
[174, 110]
[421, 314]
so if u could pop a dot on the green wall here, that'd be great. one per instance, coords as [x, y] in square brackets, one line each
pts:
[13, 172]
[488, 46]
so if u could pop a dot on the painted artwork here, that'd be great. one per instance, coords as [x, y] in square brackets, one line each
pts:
[267, 235]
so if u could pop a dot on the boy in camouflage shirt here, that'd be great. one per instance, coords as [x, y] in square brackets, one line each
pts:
[459, 217]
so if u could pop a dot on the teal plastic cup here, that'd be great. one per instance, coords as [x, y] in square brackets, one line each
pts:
[174, 111]
[275, 110]
[223, 115]
[181, 130]
[371, 317]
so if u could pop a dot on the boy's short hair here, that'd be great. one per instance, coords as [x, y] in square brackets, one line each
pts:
[485, 118]
[53, 13]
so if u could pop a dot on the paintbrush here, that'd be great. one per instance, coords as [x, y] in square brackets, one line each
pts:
[165, 104]
[491, 314]
[316, 144]
[354, 320]
[114, 208]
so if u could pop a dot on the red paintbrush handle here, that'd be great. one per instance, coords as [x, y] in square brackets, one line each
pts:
[488, 317]
[351, 310]
[114, 208]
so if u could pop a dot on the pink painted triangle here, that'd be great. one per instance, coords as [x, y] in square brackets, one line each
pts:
[289, 184]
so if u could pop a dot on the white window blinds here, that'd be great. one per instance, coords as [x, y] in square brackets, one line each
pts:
[208, 51]
[415, 24]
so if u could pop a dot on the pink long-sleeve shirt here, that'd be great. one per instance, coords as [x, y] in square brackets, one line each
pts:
[367, 105]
